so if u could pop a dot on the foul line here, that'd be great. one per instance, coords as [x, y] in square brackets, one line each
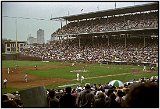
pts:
[69, 85]
[106, 76]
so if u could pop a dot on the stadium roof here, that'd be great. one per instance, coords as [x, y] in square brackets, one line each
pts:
[110, 12]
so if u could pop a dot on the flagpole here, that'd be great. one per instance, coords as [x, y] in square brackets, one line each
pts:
[98, 8]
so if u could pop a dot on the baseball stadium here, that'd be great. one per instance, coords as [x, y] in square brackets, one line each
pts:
[114, 50]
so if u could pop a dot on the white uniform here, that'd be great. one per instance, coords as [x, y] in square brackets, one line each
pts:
[5, 80]
[152, 68]
[8, 70]
[73, 64]
[144, 68]
[77, 76]
[4, 83]
[25, 77]
[82, 78]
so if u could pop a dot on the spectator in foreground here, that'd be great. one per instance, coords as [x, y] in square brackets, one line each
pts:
[119, 98]
[6, 103]
[112, 103]
[101, 101]
[68, 100]
[86, 98]
[108, 93]
[52, 100]
[143, 96]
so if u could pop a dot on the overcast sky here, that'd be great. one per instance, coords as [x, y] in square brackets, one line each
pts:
[44, 10]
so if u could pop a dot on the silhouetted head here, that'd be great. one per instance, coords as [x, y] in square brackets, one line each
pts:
[52, 93]
[120, 93]
[143, 96]
[109, 92]
[87, 86]
[4, 97]
[101, 95]
[112, 96]
[68, 89]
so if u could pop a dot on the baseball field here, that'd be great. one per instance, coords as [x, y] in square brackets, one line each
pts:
[59, 74]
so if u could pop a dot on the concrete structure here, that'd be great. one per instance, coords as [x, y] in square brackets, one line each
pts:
[31, 40]
[53, 37]
[10, 46]
[34, 97]
[40, 36]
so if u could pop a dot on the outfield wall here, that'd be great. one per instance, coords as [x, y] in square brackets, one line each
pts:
[19, 56]
[10, 56]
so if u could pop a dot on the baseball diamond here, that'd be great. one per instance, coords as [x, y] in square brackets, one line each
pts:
[104, 58]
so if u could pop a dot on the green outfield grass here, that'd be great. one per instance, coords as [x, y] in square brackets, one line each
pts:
[93, 70]
[13, 63]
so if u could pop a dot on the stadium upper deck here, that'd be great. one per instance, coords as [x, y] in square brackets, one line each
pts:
[130, 20]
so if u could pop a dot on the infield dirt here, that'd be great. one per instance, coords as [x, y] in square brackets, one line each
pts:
[16, 78]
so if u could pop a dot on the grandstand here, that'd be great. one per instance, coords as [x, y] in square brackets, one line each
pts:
[126, 20]
[123, 35]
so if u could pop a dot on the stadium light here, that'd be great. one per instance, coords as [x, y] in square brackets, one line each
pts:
[13, 17]
[16, 36]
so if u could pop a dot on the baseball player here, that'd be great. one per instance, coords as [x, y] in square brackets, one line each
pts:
[5, 83]
[144, 68]
[73, 64]
[35, 67]
[82, 78]
[8, 70]
[77, 76]
[26, 77]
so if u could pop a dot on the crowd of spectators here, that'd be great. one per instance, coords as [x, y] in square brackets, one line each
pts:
[133, 52]
[68, 50]
[114, 23]
[142, 93]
